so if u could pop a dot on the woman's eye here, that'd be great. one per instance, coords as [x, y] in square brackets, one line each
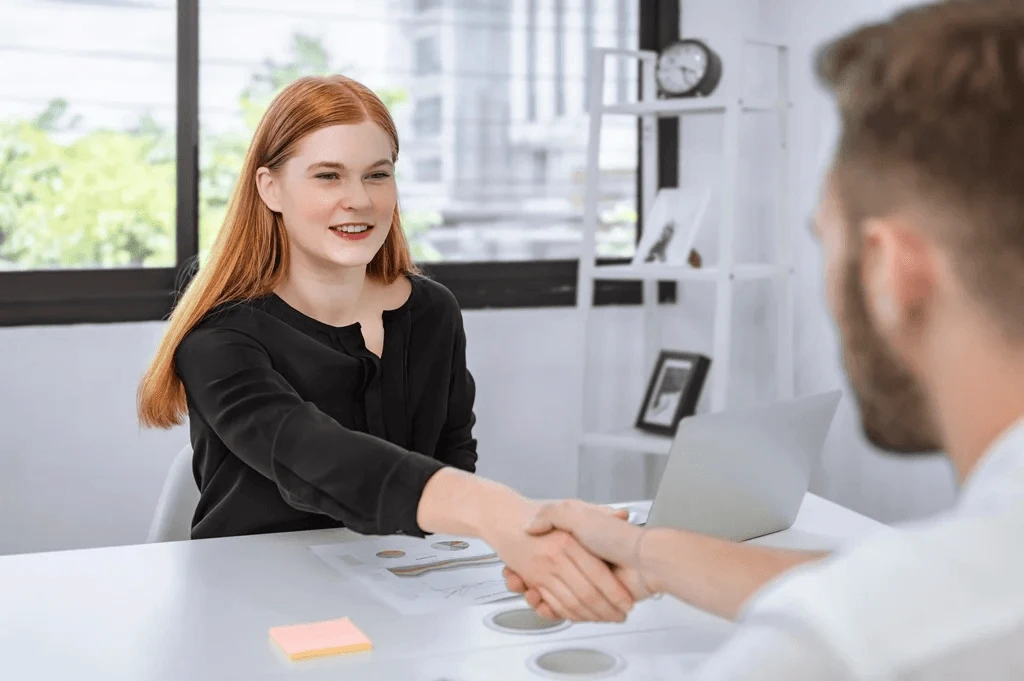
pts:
[380, 176]
[328, 176]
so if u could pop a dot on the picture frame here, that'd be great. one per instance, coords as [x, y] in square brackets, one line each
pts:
[672, 393]
[669, 231]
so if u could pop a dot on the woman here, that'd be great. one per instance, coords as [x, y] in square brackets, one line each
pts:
[324, 379]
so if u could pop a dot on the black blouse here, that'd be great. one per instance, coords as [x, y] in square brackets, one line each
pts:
[295, 425]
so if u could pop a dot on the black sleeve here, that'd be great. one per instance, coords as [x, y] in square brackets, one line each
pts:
[457, 447]
[369, 484]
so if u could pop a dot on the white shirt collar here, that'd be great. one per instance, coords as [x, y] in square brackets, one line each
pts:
[998, 475]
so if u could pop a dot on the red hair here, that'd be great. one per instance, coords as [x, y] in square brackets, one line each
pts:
[250, 255]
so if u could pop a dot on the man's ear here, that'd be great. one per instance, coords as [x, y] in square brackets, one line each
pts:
[268, 187]
[897, 270]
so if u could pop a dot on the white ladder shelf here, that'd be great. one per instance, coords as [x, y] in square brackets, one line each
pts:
[725, 272]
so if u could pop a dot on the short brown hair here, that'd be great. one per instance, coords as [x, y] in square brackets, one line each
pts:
[932, 110]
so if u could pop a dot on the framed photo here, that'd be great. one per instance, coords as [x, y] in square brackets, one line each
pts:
[673, 391]
[671, 228]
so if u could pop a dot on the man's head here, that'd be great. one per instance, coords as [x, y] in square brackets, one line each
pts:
[922, 214]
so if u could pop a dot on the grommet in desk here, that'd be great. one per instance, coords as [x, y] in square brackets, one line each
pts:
[523, 621]
[576, 663]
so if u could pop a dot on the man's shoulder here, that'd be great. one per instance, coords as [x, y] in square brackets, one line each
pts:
[906, 597]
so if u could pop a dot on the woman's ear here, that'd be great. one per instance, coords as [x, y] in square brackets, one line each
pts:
[268, 187]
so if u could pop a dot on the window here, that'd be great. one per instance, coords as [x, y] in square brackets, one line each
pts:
[428, 56]
[514, 135]
[588, 45]
[473, 164]
[531, 60]
[429, 170]
[540, 167]
[624, 37]
[86, 140]
[559, 76]
[164, 96]
[427, 118]
[89, 132]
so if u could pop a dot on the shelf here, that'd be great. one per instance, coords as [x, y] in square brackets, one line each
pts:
[763, 105]
[668, 107]
[767, 40]
[684, 105]
[662, 272]
[630, 440]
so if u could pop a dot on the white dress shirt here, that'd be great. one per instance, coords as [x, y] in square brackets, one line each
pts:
[939, 599]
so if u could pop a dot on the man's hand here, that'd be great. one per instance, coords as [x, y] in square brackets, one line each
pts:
[573, 584]
[604, 532]
[591, 522]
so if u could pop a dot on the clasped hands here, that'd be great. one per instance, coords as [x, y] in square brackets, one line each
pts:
[577, 561]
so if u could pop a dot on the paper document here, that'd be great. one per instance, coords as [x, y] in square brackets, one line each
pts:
[417, 576]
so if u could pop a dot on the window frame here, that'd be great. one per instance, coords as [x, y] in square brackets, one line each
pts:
[79, 296]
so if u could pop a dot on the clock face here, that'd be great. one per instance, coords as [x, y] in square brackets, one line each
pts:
[681, 67]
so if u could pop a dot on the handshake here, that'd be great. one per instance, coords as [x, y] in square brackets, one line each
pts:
[576, 561]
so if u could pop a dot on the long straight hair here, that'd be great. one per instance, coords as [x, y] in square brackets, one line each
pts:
[249, 257]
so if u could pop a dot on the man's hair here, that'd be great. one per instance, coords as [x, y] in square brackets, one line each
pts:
[932, 110]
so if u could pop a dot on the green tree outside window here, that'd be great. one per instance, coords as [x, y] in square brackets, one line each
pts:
[106, 199]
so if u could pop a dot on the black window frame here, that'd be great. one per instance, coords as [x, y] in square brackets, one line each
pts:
[79, 296]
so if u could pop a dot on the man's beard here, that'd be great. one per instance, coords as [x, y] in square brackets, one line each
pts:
[895, 414]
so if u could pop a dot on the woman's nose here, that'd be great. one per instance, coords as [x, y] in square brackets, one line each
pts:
[355, 196]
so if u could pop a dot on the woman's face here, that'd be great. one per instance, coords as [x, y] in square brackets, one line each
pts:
[336, 195]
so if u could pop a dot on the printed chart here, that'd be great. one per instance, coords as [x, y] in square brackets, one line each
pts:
[418, 576]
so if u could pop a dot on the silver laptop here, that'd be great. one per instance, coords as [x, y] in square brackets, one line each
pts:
[740, 474]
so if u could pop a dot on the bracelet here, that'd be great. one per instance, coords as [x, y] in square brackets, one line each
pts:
[636, 564]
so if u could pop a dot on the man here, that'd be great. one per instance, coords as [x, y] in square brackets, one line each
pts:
[922, 226]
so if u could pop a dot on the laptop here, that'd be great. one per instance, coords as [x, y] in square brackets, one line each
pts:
[740, 474]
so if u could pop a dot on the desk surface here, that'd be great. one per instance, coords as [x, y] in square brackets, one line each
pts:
[200, 610]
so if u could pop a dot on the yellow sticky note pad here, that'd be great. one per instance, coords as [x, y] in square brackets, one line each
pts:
[317, 639]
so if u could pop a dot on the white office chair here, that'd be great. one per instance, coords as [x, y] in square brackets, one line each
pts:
[173, 518]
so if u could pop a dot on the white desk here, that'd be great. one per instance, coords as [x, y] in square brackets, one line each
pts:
[198, 610]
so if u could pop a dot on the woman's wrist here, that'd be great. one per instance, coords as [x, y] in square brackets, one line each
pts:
[456, 502]
[500, 512]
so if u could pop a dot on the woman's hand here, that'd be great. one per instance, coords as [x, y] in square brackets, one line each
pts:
[572, 583]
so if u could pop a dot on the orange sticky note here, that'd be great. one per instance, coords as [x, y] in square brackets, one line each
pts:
[333, 637]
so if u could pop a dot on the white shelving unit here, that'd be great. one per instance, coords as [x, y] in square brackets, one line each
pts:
[723, 274]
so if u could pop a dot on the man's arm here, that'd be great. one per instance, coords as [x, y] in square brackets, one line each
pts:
[713, 574]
